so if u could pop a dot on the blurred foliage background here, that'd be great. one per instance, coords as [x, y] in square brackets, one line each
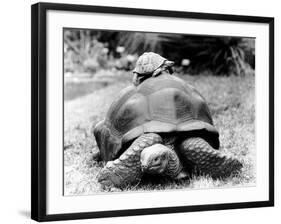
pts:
[88, 51]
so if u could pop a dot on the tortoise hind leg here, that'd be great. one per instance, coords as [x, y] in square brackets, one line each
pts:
[207, 160]
[126, 170]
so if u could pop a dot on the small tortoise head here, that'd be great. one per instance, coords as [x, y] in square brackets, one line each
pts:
[154, 159]
[150, 64]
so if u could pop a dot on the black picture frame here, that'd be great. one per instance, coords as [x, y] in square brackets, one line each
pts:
[39, 108]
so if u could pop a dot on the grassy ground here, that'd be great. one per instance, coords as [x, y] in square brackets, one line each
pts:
[232, 103]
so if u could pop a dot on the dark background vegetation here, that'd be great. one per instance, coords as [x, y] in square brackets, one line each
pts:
[91, 50]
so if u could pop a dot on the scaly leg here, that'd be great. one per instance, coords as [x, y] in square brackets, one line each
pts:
[208, 161]
[126, 169]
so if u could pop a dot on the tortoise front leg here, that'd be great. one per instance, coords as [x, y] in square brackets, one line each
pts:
[126, 170]
[206, 160]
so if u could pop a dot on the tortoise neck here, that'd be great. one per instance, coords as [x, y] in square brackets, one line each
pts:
[174, 166]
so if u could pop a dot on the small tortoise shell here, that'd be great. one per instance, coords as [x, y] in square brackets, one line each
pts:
[148, 63]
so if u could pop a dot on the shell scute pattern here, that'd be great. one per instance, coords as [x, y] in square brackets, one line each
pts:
[131, 113]
[148, 63]
[183, 107]
[112, 121]
[160, 104]
[151, 86]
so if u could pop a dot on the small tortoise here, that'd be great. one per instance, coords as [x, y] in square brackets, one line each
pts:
[150, 64]
[162, 110]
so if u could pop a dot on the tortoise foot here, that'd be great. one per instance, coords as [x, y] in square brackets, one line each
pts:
[126, 170]
[208, 161]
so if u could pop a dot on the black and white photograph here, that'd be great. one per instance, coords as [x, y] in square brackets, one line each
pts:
[150, 111]
[142, 111]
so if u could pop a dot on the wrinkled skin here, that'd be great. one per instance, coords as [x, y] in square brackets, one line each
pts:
[154, 159]
[129, 168]
[126, 170]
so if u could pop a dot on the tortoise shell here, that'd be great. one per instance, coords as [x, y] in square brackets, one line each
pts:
[148, 62]
[164, 104]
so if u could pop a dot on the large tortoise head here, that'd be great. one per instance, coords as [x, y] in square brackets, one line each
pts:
[164, 104]
[150, 64]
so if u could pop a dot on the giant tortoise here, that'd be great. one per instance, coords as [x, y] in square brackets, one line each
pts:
[163, 125]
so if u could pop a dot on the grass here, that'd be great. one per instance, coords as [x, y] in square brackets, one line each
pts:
[232, 103]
